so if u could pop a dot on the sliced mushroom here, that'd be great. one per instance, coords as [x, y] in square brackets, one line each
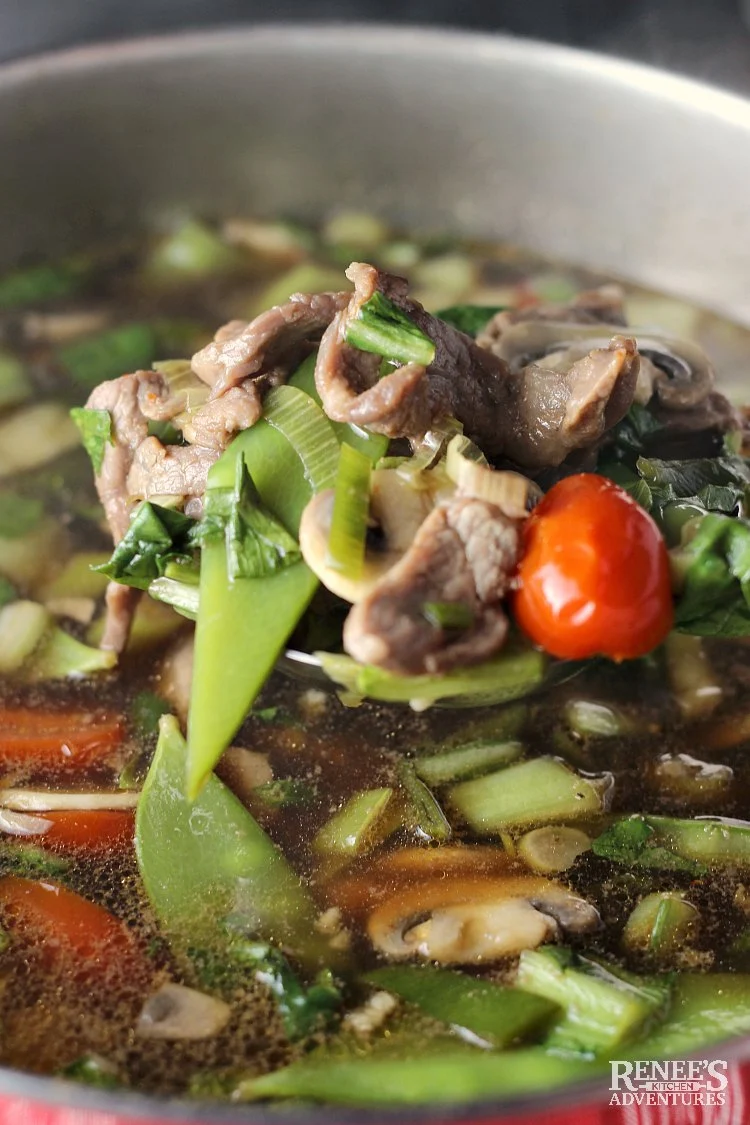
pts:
[478, 920]
[397, 507]
[677, 371]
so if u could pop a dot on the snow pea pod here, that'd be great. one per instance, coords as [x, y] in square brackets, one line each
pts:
[203, 862]
[243, 624]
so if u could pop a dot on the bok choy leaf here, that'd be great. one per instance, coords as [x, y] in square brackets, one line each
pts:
[156, 537]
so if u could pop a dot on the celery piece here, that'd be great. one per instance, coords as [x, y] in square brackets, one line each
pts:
[23, 624]
[497, 1015]
[505, 677]
[192, 253]
[351, 506]
[540, 791]
[602, 1009]
[35, 284]
[467, 762]
[243, 625]
[109, 354]
[354, 829]
[588, 718]
[423, 813]
[14, 384]
[203, 861]
[374, 446]
[60, 656]
[444, 1074]
[705, 840]
[382, 328]
[661, 924]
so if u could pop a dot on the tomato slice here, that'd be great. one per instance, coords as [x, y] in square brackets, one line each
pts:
[593, 579]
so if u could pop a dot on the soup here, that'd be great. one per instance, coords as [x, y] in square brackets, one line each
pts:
[475, 835]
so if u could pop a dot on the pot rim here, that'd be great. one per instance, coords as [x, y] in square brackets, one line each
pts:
[406, 40]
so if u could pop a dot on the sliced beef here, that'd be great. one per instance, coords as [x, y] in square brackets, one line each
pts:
[121, 603]
[554, 412]
[463, 381]
[168, 470]
[215, 423]
[464, 552]
[275, 342]
[523, 415]
[605, 305]
[120, 397]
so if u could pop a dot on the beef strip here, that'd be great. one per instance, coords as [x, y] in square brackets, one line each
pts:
[275, 342]
[605, 305]
[554, 412]
[464, 552]
[129, 428]
[168, 470]
[521, 415]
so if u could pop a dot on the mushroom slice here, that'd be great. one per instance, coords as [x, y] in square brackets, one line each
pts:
[397, 508]
[478, 920]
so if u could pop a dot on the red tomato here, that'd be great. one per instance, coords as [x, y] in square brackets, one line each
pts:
[594, 573]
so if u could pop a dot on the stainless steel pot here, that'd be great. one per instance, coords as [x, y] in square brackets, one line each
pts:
[584, 158]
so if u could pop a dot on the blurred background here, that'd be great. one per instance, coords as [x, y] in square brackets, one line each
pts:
[706, 38]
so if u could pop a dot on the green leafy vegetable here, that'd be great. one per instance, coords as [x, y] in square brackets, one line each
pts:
[633, 842]
[156, 537]
[382, 328]
[146, 710]
[257, 543]
[91, 1070]
[303, 1009]
[32, 862]
[470, 319]
[96, 431]
[714, 568]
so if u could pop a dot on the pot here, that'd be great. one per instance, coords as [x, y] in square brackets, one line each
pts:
[603, 163]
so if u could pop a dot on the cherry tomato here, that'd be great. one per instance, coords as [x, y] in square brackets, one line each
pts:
[594, 574]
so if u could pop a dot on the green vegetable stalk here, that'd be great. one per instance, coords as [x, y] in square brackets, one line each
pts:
[381, 327]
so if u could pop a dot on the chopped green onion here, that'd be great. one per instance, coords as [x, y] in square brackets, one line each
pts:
[499, 1016]
[303, 1010]
[357, 826]
[381, 327]
[661, 923]
[541, 790]
[91, 361]
[467, 762]
[351, 506]
[372, 445]
[553, 848]
[586, 717]
[448, 615]
[423, 814]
